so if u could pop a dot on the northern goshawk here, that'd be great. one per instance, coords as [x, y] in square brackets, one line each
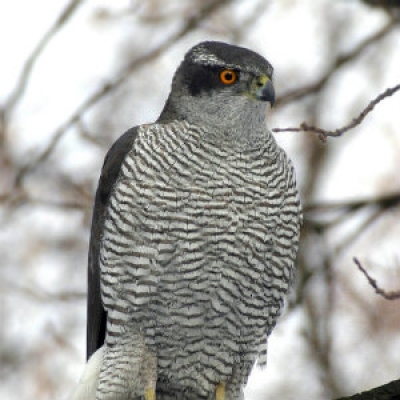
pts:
[194, 237]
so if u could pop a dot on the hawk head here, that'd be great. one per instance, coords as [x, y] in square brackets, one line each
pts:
[222, 87]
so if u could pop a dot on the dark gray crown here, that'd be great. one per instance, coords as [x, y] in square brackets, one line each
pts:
[225, 55]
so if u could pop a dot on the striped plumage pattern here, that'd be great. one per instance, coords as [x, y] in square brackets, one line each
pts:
[196, 255]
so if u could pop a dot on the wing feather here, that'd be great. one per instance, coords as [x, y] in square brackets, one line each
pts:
[96, 314]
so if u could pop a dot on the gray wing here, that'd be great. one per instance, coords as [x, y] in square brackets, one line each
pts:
[96, 314]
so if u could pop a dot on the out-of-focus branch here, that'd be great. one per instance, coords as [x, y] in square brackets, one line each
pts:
[41, 295]
[384, 201]
[19, 90]
[27, 69]
[392, 295]
[321, 217]
[389, 391]
[191, 24]
[319, 334]
[341, 210]
[324, 134]
[383, 3]
[339, 62]
[240, 31]
[22, 198]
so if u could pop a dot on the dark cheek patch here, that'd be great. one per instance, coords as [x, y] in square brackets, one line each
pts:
[200, 79]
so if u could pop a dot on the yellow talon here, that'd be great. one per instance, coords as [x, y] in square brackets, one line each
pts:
[220, 392]
[150, 394]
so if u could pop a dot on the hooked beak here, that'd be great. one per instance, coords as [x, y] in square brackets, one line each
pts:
[265, 90]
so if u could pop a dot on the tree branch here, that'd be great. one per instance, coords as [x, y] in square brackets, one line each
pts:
[341, 210]
[384, 201]
[112, 85]
[383, 3]
[41, 295]
[393, 295]
[324, 134]
[339, 62]
[29, 64]
[389, 391]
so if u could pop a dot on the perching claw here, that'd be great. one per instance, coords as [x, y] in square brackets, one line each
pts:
[150, 394]
[220, 392]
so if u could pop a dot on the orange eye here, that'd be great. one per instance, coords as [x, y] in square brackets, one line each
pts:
[228, 76]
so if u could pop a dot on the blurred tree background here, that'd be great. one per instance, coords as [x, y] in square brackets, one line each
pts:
[76, 74]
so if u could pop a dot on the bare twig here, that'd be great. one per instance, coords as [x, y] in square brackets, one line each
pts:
[339, 62]
[384, 201]
[19, 90]
[319, 311]
[27, 70]
[325, 215]
[66, 205]
[392, 295]
[191, 24]
[362, 227]
[324, 134]
[320, 217]
[41, 295]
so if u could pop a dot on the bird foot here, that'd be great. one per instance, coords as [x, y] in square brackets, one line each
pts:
[150, 394]
[220, 391]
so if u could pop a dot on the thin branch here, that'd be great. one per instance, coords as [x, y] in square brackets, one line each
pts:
[333, 213]
[29, 64]
[324, 134]
[392, 295]
[389, 391]
[319, 311]
[352, 237]
[41, 295]
[383, 3]
[340, 61]
[64, 205]
[191, 24]
[384, 201]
